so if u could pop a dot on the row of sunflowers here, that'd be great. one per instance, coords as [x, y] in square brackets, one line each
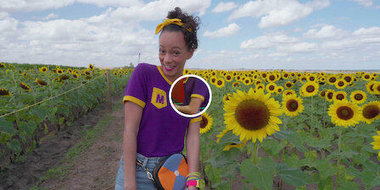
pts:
[39, 100]
[279, 129]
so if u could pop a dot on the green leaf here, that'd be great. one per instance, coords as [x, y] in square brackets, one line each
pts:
[349, 186]
[370, 178]
[29, 128]
[292, 137]
[41, 112]
[273, 147]
[292, 176]
[325, 169]
[213, 174]
[261, 175]
[7, 127]
[14, 145]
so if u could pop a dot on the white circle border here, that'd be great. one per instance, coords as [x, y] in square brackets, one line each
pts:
[187, 115]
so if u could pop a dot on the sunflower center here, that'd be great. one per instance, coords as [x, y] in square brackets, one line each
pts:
[340, 96]
[204, 122]
[4, 92]
[340, 83]
[310, 88]
[252, 114]
[288, 85]
[345, 113]
[332, 79]
[330, 95]
[271, 87]
[220, 82]
[271, 78]
[292, 105]
[358, 97]
[228, 77]
[371, 111]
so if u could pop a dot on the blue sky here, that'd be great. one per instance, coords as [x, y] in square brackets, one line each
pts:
[262, 34]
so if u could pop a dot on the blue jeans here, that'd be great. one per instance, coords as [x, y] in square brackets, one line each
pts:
[141, 176]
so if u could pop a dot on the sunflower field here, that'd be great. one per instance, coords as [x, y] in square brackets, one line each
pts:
[40, 100]
[291, 130]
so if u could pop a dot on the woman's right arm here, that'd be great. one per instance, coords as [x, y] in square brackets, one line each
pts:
[133, 114]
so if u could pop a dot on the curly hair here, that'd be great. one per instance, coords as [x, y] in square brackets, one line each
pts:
[189, 28]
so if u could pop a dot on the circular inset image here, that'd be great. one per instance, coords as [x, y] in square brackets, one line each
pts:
[190, 96]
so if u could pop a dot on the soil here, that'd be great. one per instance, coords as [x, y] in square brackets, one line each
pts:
[94, 168]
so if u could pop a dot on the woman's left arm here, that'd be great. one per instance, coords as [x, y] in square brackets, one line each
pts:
[192, 146]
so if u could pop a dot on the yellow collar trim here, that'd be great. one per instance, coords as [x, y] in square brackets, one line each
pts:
[162, 74]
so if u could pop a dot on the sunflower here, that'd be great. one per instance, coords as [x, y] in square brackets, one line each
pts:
[5, 92]
[219, 83]
[2, 65]
[91, 67]
[25, 87]
[213, 80]
[43, 69]
[59, 71]
[247, 81]
[234, 145]
[289, 84]
[221, 134]
[75, 75]
[371, 112]
[309, 89]
[227, 97]
[252, 115]
[260, 86]
[330, 95]
[228, 77]
[236, 84]
[331, 79]
[279, 89]
[366, 77]
[376, 142]
[206, 123]
[40, 82]
[288, 92]
[292, 105]
[272, 77]
[340, 84]
[64, 77]
[345, 113]
[322, 93]
[340, 95]
[312, 77]
[376, 88]
[271, 87]
[358, 97]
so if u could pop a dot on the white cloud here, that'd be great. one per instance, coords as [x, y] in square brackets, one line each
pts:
[367, 31]
[230, 30]
[277, 13]
[103, 3]
[156, 10]
[50, 16]
[35, 5]
[299, 47]
[327, 31]
[224, 7]
[267, 41]
[366, 3]
[8, 25]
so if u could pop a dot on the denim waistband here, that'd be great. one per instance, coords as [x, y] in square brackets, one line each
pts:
[145, 159]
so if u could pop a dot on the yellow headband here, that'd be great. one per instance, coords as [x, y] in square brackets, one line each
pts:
[170, 21]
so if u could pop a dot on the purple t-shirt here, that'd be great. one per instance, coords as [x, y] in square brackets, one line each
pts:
[195, 88]
[162, 130]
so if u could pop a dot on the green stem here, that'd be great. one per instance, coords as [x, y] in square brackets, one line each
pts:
[339, 158]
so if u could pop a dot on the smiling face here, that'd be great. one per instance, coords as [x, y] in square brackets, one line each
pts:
[173, 54]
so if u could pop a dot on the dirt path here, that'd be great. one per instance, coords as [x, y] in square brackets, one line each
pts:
[93, 168]
[96, 167]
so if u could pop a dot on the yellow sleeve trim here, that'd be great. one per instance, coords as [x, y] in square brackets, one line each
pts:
[198, 119]
[134, 100]
[198, 96]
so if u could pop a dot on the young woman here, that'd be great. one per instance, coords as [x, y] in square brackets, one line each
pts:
[153, 130]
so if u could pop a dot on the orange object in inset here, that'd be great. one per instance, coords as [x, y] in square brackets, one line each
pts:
[178, 92]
